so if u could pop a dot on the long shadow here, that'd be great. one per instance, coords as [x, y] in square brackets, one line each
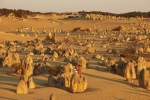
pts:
[114, 80]
[9, 78]
[4, 69]
[138, 93]
[11, 84]
[89, 89]
[37, 99]
[119, 99]
[144, 91]
[6, 79]
[11, 90]
[44, 84]
[40, 82]
[5, 98]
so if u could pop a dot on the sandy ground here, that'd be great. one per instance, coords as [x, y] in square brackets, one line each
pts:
[102, 85]
[12, 37]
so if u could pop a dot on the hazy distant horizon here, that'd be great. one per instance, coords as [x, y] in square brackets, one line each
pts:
[112, 6]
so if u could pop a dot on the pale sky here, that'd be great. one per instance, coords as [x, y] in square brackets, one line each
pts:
[113, 6]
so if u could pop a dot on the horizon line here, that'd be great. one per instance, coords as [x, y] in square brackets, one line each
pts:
[76, 11]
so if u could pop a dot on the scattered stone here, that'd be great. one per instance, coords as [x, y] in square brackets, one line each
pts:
[52, 97]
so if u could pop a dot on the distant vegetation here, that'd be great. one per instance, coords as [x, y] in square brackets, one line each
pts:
[127, 15]
[23, 13]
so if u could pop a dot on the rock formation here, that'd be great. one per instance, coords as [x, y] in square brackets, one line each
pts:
[11, 59]
[37, 48]
[144, 79]
[141, 64]
[12, 49]
[97, 56]
[130, 72]
[27, 65]
[39, 68]
[70, 52]
[78, 84]
[120, 28]
[22, 87]
[51, 81]
[66, 77]
[68, 68]
[54, 56]
[31, 83]
[81, 61]
[89, 50]
[111, 65]
[121, 66]
[2, 51]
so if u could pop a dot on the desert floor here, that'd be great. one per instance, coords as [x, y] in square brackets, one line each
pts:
[102, 85]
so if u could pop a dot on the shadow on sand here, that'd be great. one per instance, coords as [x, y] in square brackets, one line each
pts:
[143, 90]
[7, 80]
[138, 93]
[10, 84]
[114, 80]
[5, 98]
[11, 90]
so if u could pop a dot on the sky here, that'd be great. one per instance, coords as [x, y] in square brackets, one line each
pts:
[113, 6]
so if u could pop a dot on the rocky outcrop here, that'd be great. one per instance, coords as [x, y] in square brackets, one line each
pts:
[144, 79]
[31, 83]
[12, 49]
[121, 66]
[70, 60]
[51, 81]
[26, 65]
[97, 56]
[89, 50]
[81, 61]
[70, 52]
[68, 68]
[111, 65]
[54, 56]
[119, 28]
[78, 84]
[130, 72]
[39, 68]
[2, 51]
[55, 70]
[11, 59]
[37, 49]
[22, 87]
[66, 77]
[141, 64]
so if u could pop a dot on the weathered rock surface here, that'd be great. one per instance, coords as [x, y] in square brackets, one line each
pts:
[144, 79]
[78, 84]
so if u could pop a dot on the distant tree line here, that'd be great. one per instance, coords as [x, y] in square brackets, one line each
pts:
[23, 13]
[18, 13]
[127, 15]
